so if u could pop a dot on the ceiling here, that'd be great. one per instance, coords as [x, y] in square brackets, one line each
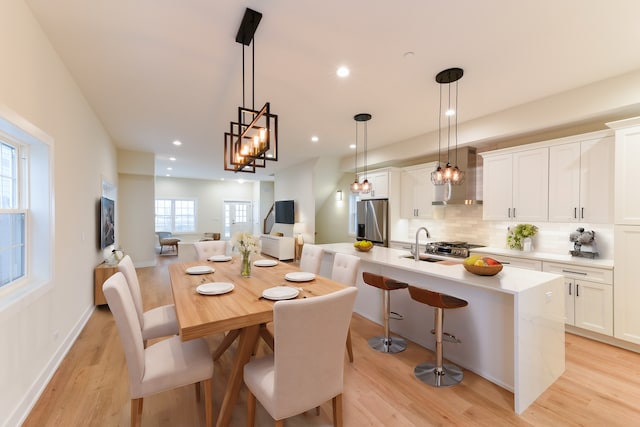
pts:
[159, 70]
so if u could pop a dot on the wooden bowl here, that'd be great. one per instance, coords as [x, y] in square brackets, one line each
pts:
[363, 249]
[489, 270]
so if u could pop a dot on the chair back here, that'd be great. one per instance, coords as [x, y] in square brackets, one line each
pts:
[121, 304]
[163, 235]
[345, 268]
[209, 248]
[309, 350]
[311, 258]
[126, 267]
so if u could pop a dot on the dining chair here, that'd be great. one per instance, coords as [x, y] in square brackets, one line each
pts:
[307, 366]
[209, 248]
[163, 366]
[311, 258]
[345, 270]
[157, 322]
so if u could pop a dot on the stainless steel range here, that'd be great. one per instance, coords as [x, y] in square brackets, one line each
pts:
[450, 249]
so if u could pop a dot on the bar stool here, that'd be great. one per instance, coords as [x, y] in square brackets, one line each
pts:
[385, 343]
[438, 374]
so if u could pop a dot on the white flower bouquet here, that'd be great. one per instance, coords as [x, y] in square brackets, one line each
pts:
[246, 243]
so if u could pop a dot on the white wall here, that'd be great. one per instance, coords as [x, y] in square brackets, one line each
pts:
[210, 196]
[37, 329]
[297, 184]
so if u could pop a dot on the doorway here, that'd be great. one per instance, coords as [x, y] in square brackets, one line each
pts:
[238, 218]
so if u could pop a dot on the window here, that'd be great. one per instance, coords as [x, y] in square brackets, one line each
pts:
[237, 218]
[176, 215]
[13, 227]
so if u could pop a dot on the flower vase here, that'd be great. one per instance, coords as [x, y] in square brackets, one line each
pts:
[245, 266]
[527, 244]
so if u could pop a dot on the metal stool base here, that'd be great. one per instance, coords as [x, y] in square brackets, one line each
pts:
[390, 345]
[450, 374]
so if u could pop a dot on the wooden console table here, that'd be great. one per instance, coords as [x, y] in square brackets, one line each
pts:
[102, 273]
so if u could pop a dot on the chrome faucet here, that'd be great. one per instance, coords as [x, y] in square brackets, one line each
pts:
[417, 252]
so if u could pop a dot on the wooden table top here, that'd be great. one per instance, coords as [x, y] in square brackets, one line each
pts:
[202, 315]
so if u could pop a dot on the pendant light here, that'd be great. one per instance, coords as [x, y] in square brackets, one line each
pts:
[450, 174]
[253, 138]
[355, 186]
[365, 186]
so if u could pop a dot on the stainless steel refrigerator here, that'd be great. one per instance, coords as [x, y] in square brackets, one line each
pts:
[372, 221]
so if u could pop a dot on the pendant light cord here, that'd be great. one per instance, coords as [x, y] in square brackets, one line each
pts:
[356, 151]
[456, 124]
[439, 124]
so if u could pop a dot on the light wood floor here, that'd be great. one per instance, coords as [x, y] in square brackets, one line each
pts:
[600, 387]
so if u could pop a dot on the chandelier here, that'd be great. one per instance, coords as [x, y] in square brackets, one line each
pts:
[449, 174]
[365, 186]
[253, 138]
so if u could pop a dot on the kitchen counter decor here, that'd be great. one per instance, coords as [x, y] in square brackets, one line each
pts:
[519, 237]
[363, 245]
[482, 266]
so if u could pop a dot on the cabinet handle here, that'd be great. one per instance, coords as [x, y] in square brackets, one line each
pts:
[417, 212]
[577, 290]
[582, 213]
[570, 285]
[514, 212]
[575, 213]
[582, 273]
[508, 212]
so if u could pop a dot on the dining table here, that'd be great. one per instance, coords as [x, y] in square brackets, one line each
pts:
[242, 312]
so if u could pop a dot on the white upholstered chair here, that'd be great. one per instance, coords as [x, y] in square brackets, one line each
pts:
[209, 248]
[307, 366]
[345, 270]
[311, 258]
[163, 366]
[157, 322]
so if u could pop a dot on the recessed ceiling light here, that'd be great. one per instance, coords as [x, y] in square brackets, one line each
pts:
[241, 181]
[168, 174]
[169, 169]
[352, 146]
[177, 143]
[342, 71]
[173, 159]
[314, 138]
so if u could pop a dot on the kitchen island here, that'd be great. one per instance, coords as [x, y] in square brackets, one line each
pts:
[512, 331]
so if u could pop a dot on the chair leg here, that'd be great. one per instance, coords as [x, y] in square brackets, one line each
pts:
[279, 423]
[208, 401]
[337, 410]
[349, 347]
[136, 412]
[251, 409]
[226, 342]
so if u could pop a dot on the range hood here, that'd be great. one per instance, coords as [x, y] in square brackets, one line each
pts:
[465, 193]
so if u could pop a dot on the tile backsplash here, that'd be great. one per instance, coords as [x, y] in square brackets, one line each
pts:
[465, 223]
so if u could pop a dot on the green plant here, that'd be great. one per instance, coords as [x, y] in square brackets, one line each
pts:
[517, 234]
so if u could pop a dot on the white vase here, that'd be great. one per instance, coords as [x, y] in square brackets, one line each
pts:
[527, 244]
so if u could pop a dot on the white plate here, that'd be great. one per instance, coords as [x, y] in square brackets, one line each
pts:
[299, 276]
[265, 263]
[215, 288]
[219, 258]
[280, 293]
[199, 269]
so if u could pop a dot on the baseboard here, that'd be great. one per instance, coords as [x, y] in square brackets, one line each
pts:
[606, 339]
[21, 412]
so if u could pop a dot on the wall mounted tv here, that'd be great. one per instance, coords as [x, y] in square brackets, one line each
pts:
[107, 222]
[284, 212]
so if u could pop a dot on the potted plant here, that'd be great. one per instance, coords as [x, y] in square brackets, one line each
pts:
[519, 237]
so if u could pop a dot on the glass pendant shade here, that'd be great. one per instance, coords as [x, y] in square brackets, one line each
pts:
[365, 187]
[355, 187]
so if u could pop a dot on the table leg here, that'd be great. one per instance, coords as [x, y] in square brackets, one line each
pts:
[248, 338]
[226, 342]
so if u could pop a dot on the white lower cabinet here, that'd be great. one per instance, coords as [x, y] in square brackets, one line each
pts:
[588, 296]
[627, 294]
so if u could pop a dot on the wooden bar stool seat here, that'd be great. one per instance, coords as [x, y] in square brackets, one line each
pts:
[438, 374]
[385, 343]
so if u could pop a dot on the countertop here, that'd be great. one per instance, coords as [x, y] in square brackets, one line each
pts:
[510, 280]
[544, 256]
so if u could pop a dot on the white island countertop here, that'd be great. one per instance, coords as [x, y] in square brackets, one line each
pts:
[510, 280]
[546, 256]
[512, 331]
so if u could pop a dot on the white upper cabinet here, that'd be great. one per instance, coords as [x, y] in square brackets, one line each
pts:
[627, 171]
[379, 185]
[581, 181]
[417, 191]
[516, 185]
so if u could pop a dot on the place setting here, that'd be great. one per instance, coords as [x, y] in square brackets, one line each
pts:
[299, 276]
[215, 288]
[278, 293]
[265, 263]
[199, 269]
[220, 258]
